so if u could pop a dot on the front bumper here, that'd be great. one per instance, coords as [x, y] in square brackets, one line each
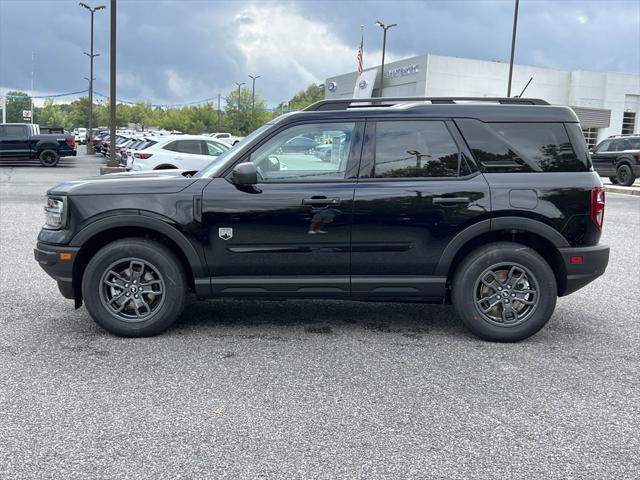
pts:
[57, 267]
[582, 266]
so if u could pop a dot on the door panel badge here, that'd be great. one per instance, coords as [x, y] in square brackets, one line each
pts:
[225, 233]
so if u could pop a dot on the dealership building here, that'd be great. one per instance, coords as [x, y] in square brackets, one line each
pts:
[607, 103]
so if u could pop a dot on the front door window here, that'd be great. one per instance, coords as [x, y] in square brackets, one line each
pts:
[310, 152]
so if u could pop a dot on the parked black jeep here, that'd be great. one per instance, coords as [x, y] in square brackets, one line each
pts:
[489, 204]
[618, 157]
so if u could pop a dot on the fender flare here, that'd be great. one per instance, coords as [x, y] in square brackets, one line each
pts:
[624, 161]
[492, 225]
[196, 262]
[46, 145]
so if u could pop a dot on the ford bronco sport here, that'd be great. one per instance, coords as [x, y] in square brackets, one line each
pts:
[491, 205]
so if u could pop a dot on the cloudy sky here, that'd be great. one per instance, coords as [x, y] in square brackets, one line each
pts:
[172, 51]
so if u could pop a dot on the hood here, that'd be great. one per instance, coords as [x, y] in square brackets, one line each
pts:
[159, 181]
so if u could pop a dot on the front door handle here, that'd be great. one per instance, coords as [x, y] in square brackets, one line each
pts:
[321, 201]
[445, 201]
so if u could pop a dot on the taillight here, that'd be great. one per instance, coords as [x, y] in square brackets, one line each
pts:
[142, 155]
[71, 141]
[597, 206]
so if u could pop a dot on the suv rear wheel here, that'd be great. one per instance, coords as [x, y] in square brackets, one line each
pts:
[134, 287]
[504, 292]
[625, 176]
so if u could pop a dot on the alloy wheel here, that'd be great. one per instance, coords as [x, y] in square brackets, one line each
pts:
[132, 289]
[506, 294]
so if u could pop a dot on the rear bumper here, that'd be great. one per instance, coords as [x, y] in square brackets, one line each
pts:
[68, 153]
[48, 256]
[594, 263]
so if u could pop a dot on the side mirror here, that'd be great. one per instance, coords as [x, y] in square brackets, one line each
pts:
[244, 174]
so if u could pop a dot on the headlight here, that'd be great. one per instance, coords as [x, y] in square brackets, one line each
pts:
[54, 212]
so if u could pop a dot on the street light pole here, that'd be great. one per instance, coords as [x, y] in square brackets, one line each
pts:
[384, 47]
[112, 87]
[253, 95]
[218, 112]
[513, 46]
[239, 85]
[91, 56]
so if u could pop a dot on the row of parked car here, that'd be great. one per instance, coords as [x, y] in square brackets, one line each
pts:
[145, 152]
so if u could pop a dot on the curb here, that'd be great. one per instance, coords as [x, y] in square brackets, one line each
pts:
[623, 190]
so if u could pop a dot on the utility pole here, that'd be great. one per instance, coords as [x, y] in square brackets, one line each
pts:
[384, 47]
[513, 46]
[218, 112]
[112, 88]
[239, 85]
[91, 56]
[253, 95]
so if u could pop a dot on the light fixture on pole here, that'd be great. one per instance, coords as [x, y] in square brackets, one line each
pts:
[253, 93]
[91, 56]
[239, 85]
[384, 47]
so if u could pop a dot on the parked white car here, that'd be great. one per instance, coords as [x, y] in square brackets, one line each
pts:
[226, 137]
[185, 152]
[81, 135]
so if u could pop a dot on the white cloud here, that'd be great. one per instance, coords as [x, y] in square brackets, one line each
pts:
[582, 19]
[281, 42]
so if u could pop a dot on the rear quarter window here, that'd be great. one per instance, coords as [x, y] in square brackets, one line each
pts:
[524, 147]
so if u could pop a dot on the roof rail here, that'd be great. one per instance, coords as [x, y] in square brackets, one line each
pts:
[345, 103]
[624, 135]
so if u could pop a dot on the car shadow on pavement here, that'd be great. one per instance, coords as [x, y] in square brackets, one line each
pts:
[323, 317]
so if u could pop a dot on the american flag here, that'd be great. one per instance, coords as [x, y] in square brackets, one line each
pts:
[359, 56]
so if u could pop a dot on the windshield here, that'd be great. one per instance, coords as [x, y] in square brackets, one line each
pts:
[221, 160]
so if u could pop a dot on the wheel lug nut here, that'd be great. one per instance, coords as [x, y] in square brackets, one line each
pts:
[513, 294]
[127, 294]
[499, 288]
[135, 296]
[126, 285]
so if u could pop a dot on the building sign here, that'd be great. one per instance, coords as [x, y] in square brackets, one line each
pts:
[402, 71]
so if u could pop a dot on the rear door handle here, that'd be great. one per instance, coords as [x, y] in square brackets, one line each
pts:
[451, 201]
[323, 201]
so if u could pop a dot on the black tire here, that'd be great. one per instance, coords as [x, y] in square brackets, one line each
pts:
[161, 271]
[499, 257]
[613, 180]
[625, 176]
[48, 157]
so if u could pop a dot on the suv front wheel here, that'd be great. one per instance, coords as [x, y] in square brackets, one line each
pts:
[134, 287]
[504, 292]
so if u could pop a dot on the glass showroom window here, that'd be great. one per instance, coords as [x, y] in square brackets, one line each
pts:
[628, 122]
[591, 136]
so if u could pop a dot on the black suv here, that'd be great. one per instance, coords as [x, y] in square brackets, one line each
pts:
[489, 204]
[618, 157]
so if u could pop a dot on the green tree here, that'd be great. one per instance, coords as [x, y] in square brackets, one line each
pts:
[16, 103]
[51, 115]
[240, 119]
[313, 93]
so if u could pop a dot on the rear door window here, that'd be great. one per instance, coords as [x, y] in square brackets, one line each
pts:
[414, 149]
[15, 131]
[521, 147]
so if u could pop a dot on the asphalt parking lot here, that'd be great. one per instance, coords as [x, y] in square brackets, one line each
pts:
[312, 389]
